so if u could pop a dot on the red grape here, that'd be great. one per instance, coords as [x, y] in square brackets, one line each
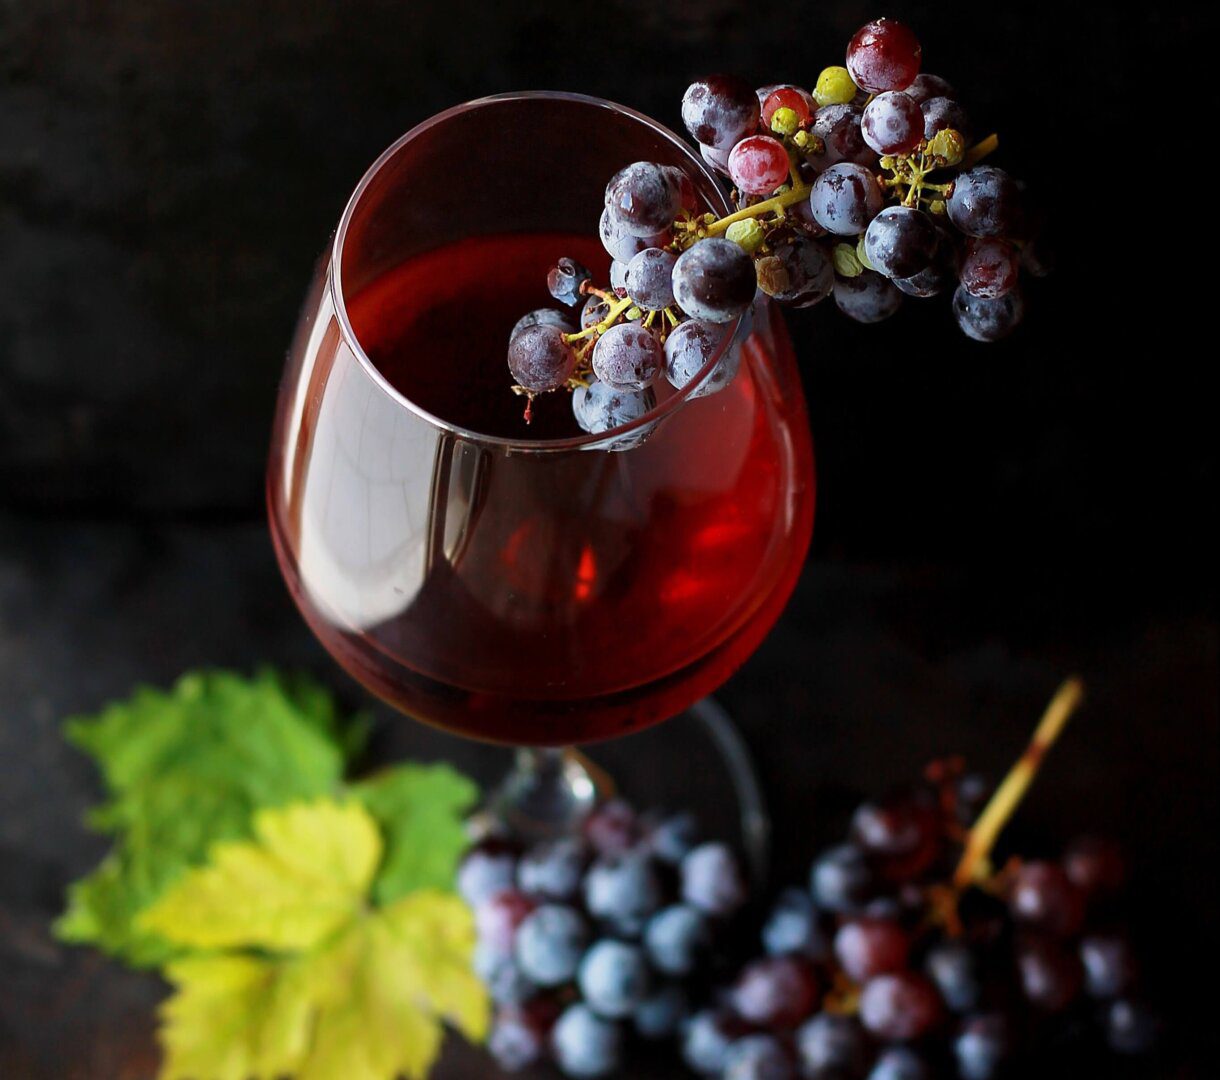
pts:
[776, 991]
[869, 946]
[883, 55]
[758, 165]
[990, 268]
[1044, 897]
[787, 97]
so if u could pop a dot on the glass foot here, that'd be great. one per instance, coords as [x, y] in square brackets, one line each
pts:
[685, 763]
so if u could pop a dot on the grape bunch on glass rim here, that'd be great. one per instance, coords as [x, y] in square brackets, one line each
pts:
[867, 187]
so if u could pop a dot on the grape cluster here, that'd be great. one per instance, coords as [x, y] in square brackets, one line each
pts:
[881, 970]
[865, 188]
[591, 943]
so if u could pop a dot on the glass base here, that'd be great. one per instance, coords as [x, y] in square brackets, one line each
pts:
[686, 763]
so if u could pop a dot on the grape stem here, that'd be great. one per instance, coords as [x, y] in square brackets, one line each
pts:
[776, 202]
[1003, 804]
[616, 309]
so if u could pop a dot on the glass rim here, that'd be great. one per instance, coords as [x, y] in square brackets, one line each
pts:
[534, 446]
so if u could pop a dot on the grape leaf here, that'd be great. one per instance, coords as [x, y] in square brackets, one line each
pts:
[420, 810]
[183, 769]
[336, 991]
[304, 875]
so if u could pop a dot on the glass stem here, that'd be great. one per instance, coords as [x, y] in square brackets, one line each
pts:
[548, 792]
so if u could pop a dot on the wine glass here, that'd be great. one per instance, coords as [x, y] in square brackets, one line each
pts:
[538, 592]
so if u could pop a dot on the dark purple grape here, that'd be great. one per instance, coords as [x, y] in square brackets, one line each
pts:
[1095, 865]
[540, 359]
[841, 880]
[553, 869]
[869, 946]
[894, 826]
[706, 1040]
[982, 1047]
[720, 110]
[892, 123]
[831, 1047]
[612, 827]
[1131, 1027]
[661, 1014]
[516, 1040]
[600, 408]
[650, 279]
[688, 195]
[985, 202]
[505, 981]
[797, 272]
[595, 310]
[543, 317]
[793, 927]
[800, 215]
[712, 879]
[688, 348]
[990, 268]
[757, 1057]
[845, 198]
[675, 938]
[901, 241]
[1109, 965]
[1050, 974]
[549, 944]
[488, 867]
[883, 55]
[670, 838]
[838, 126]
[939, 275]
[1043, 897]
[622, 245]
[951, 966]
[564, 281]
[941, 113]
[613, 978]
[618, 279]
[628, 356]
[900, 1063]
[714, 280]
[585, 1045]
[498, 917]
[776, 991]
[868, 297]
[928, 86]
[644, 197]
[900, 1006]
[623, 891]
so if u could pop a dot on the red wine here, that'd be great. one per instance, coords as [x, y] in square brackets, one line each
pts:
[529, 597]
[437, 328]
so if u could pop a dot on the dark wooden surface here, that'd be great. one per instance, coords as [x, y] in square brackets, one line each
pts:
[989, 519]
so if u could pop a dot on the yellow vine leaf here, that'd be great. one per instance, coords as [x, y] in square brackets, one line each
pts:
[305, 874]
[337, 990]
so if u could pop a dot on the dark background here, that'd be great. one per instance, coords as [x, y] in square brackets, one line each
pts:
[990, 517]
